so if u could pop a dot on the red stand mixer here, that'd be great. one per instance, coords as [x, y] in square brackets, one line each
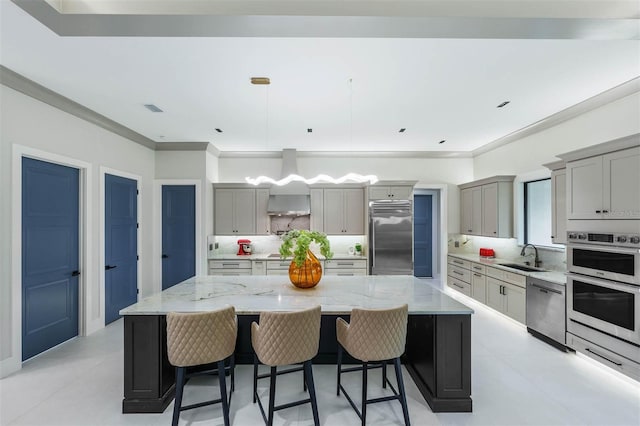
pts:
[244, 247]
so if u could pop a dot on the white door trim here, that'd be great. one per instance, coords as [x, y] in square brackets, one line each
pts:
[14, 362]
[99, 322]
[157, 219]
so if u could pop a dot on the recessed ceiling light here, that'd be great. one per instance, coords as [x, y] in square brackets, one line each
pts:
[152, 108]
[161, 136]
[503, 104]
[442, 141]
[260, 80]
[309, 130]
[218, 130]
[402, 130]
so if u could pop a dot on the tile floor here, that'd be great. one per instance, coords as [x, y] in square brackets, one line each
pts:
[517, 380]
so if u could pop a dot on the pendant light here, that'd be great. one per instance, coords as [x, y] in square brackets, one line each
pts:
[321, 178]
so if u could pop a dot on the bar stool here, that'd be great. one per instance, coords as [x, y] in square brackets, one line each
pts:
[285, 338]
[379, 336]
[198, 339]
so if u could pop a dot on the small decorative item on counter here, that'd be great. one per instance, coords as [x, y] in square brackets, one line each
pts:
[358, 249]
[305, 270]
[487, 252]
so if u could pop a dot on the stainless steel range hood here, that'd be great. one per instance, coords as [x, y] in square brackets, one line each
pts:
[291, 199]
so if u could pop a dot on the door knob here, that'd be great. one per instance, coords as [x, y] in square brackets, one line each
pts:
[107, 267]
[165, 256]
[75, 273]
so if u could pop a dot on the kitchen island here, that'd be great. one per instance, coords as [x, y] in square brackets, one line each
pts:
[438, 349]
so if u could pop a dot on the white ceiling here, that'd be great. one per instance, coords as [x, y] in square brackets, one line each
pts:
[356, 93]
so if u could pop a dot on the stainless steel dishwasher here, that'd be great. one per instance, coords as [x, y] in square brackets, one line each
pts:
[546, 311]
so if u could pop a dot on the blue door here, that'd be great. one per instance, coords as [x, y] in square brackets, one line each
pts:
[121, 245]
[422, 235]
[178, 233]
[50, 257]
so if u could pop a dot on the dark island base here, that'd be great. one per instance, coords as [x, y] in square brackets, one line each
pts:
[438, 358]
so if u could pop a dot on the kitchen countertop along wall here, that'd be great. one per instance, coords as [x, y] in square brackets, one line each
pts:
[267, 256]
[557, 277]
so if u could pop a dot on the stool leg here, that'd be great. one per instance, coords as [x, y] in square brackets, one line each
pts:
[232, 367]
[365, 366]
[403, 396]
[339, 368]
[308, 370]
[384, 374]
[223, 392]
[177, 404]
[255, 377]
[304, 379]
[272, 395]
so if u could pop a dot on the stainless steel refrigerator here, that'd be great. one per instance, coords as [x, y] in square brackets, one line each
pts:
[390, 237]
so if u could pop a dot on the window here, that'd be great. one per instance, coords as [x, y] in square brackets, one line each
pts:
[537, 212]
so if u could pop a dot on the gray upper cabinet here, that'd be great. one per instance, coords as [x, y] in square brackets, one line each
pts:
[235, 211]
[486, 207]
[316, 196]
[390, 192]
[262, 218]
[605, 186]
[471, 211]
[559, 206]
[343, 211]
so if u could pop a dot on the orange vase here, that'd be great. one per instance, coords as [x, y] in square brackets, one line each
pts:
[307, 275]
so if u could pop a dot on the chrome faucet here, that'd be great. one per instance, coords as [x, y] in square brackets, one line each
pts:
[536, 260]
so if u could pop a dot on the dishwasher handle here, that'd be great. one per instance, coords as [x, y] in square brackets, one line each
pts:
[545, 289]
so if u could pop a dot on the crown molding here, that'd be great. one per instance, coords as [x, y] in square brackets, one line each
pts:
[621, 91]
[292, 25]
[625, 142]
[348, 154]
[30, 88]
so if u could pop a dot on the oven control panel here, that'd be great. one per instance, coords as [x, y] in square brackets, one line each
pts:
[609, 239]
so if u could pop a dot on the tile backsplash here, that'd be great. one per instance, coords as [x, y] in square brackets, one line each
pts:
[267, 244]
[508, 248]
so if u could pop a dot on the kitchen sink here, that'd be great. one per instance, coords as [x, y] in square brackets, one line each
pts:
[521, 267]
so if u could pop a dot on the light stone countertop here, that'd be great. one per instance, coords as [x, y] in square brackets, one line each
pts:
[557, 277]
[336, 295]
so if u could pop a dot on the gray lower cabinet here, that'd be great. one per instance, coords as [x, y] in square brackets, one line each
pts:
[507, 298]
[479, 287]
[278, 267]
[230, 267]
[345, 267]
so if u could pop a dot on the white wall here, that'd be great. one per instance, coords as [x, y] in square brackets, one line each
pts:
[611, 121]
[36, 126]
[189, 166]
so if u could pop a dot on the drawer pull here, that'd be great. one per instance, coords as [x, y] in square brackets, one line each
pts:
[459, 286]
[230, 265]
[458, 262]
[477, 275]
[344, 263]
[619, 364]
[458, 272]
[477, 268]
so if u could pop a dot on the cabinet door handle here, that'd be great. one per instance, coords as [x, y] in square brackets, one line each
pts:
[477, 275]
[469, 230]
[107, 267]
[597, 211]
[605, 211]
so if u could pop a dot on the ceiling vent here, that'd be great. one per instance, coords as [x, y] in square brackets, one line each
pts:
[152, 108]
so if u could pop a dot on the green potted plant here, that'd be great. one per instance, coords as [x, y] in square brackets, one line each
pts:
[305, 270]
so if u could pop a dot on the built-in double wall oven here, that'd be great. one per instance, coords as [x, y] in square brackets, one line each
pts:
[603, 283]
